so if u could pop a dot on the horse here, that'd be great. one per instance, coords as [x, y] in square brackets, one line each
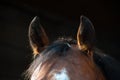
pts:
[67, 58]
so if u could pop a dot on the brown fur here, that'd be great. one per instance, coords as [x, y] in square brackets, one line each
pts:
[78, 65]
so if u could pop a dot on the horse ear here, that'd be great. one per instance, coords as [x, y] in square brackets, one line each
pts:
[37, 36]
[85, 34]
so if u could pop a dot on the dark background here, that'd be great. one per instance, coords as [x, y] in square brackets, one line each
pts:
[59, 18]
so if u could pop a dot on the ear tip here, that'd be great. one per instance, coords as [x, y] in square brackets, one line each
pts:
[36, 18]
[35, 22]
[83, 18]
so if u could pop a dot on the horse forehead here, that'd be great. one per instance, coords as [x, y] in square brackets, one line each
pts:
[61, 75]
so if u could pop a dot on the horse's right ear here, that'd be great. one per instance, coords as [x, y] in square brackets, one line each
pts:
[37, 36]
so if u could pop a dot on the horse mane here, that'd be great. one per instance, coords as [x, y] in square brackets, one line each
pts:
[108, 65]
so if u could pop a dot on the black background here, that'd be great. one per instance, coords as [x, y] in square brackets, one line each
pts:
[59, 18]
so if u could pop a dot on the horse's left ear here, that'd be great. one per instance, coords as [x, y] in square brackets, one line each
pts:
[85, 34]
[37, 36]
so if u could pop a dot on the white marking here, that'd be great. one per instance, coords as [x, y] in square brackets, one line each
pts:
[62, 75]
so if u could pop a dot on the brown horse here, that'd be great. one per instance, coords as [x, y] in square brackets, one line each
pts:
[65, 58]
